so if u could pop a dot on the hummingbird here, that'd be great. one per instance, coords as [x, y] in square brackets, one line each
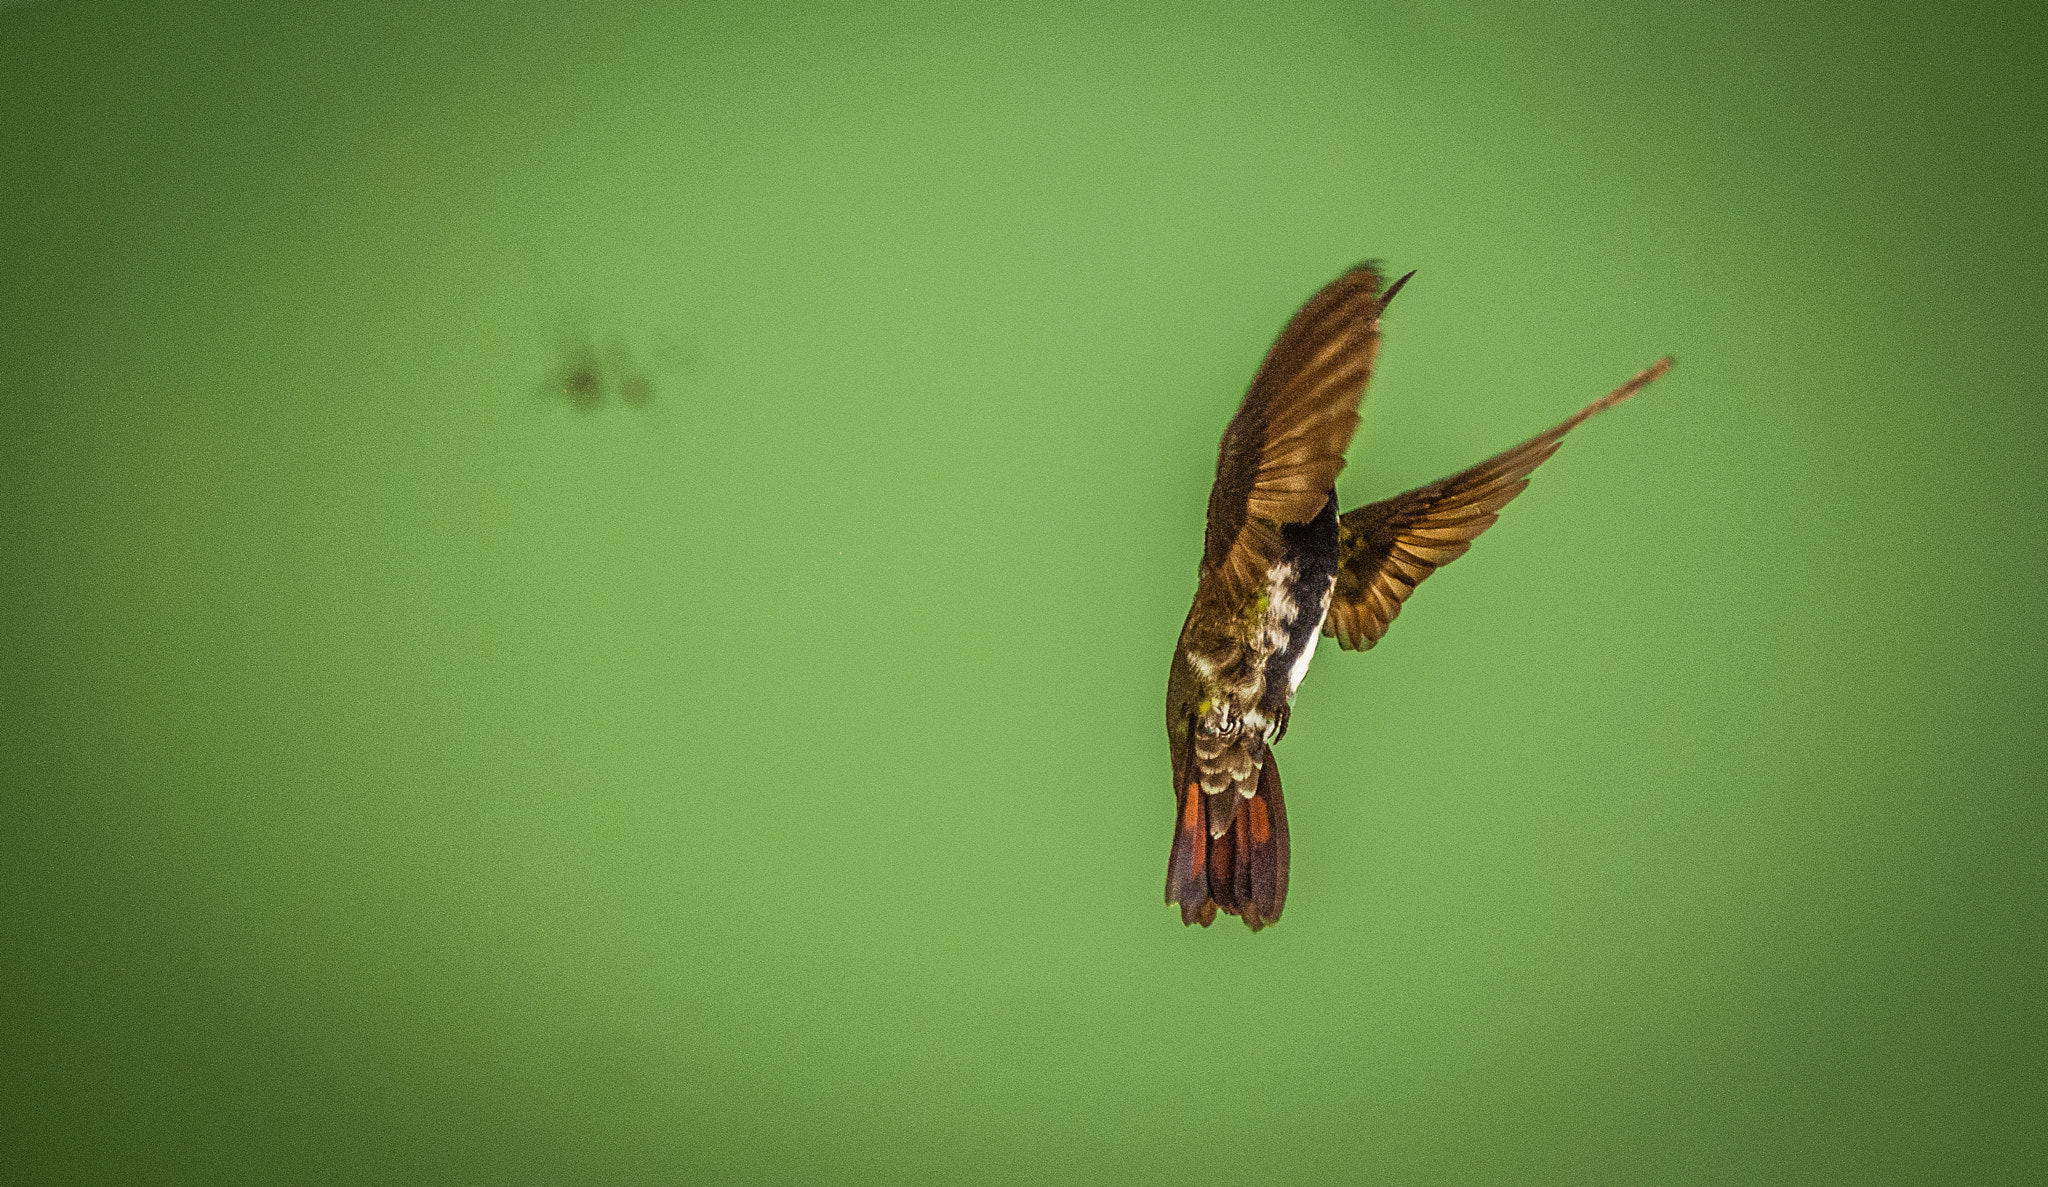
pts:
[1280, 568]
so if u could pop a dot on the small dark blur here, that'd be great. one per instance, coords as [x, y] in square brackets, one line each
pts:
[586, 378]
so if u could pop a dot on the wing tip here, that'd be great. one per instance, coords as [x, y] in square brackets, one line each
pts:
[1387, 297]
[1642, 379]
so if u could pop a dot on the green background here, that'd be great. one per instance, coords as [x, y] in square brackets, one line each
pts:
[411, 777]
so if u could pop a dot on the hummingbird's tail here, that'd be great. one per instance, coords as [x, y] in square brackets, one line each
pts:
[1243, 870]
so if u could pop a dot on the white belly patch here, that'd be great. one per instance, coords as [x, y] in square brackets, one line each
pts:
[1300, 668]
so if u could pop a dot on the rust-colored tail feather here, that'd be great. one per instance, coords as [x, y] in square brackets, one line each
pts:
[1242, 872]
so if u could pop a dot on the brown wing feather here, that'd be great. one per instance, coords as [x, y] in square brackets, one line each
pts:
[1386, 549]
[1283, 449]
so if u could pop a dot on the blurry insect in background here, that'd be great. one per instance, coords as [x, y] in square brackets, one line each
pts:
[576, 373]
[585, 376]
[580, 379]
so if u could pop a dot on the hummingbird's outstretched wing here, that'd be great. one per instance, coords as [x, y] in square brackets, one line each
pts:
[1385, 549]
[1283, 449]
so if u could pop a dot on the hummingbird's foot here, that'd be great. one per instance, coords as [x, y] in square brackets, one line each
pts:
[1271, 727]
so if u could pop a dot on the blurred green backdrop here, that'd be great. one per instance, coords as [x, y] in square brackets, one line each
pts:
[413, 776]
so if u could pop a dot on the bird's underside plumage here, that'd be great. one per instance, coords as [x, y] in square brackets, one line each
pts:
[1279, 566]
